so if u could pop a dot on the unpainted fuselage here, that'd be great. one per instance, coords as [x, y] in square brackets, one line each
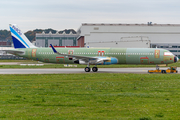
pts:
[123, 55]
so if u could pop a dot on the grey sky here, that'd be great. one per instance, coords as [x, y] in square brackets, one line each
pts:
[64, 14]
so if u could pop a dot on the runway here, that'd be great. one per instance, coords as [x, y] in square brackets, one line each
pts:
[75, 70]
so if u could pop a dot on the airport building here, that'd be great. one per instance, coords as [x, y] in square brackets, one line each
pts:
[148, 35]
[44, 40]
[5, 43]
[172, 47]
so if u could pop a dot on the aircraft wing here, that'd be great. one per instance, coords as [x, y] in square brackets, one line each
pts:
[14, 51]
[69, 55]
[84, 58]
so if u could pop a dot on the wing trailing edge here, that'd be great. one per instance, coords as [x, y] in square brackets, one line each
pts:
[86, 59]
[73, 56]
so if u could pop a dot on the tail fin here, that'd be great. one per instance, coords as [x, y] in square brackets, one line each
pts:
[19, 39]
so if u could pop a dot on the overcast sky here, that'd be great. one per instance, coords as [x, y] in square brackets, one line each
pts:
[65, 14]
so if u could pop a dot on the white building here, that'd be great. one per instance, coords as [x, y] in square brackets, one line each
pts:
[165, 33]
[130, 35]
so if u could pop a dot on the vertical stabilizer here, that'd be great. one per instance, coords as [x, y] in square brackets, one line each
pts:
[19, 39]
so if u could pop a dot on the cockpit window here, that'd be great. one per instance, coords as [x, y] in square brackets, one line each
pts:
[167, 53]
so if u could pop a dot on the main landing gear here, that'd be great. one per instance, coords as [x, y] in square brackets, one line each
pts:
[88, 69]
[94, 69]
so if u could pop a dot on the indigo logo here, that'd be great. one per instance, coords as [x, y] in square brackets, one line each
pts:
[17, 30]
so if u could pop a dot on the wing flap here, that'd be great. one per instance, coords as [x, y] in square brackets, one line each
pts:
[91, 60]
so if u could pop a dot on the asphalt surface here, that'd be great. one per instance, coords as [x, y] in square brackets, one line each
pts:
[76, 70]
[9, 63]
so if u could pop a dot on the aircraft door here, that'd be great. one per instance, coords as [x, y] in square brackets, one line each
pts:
[100, 53]
[157, 53]
[70, 52]
[34, 52]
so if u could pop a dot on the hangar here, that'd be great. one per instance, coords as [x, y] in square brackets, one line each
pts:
[44, 40]
[165, 36]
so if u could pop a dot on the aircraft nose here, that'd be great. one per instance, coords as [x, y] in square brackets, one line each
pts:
[176, 59]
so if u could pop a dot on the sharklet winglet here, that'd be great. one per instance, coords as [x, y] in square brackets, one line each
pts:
[54, 50]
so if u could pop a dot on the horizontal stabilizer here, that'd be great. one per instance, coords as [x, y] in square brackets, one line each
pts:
[14, 51]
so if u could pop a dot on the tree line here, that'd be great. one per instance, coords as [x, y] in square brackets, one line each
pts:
[31, 34]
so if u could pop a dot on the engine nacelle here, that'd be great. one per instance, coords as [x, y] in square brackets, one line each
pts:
[80, 62]
[110, 61]
[99, 61]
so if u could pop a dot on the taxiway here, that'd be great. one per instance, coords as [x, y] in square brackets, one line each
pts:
[74, 70]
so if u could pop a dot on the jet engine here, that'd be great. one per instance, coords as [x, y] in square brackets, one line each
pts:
[98, 61]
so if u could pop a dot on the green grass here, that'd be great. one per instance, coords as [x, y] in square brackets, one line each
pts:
[90, 96]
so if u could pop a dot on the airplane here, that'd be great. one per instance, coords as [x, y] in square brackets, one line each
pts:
[88, 56]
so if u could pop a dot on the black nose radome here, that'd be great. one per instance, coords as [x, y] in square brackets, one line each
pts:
[176, 59]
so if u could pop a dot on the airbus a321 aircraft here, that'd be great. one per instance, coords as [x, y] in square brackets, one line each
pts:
[88, 56]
